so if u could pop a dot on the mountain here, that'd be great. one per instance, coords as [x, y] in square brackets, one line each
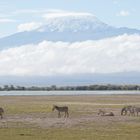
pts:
[66, 29]
[75, 79]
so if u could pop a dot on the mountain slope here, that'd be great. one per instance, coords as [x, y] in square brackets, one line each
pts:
[66, 29]
[78, 79]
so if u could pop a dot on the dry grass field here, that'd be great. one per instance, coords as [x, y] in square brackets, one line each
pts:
[31, 118]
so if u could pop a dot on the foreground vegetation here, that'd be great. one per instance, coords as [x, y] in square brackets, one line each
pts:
[116, 132]
[31, 118]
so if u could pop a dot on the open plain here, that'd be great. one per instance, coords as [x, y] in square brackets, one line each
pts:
[32, 118]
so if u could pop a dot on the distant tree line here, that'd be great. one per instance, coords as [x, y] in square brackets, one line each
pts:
[54, 87]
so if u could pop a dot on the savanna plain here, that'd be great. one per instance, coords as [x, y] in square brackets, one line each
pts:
[32, 118]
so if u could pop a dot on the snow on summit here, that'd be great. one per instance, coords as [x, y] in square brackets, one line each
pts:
[65, 27]
[71, 21]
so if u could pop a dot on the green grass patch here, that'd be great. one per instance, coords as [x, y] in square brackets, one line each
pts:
[92, 132]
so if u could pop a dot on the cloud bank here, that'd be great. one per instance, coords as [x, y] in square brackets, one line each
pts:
[28, 26]
[59, 13]
[118, 54]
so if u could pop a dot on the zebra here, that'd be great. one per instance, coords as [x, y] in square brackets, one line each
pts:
[137, 110]
[1, 112]
[127, 109]
[61, 109]
[103, 113]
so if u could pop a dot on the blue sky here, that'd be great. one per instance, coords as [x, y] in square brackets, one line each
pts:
[114, 12]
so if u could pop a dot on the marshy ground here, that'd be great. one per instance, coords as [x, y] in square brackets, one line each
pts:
[31, 118]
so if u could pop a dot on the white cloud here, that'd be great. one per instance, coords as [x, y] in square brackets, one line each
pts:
[6, 20]
[29, 26]
[50, 13]
[123, 13]
[27, 11]
[118, 54]
[35, 11]
[59, 13]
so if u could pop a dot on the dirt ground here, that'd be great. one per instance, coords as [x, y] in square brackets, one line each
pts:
[82, 109]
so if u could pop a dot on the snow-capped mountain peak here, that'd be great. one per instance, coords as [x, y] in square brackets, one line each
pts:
[66, 27]
[72, 22]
